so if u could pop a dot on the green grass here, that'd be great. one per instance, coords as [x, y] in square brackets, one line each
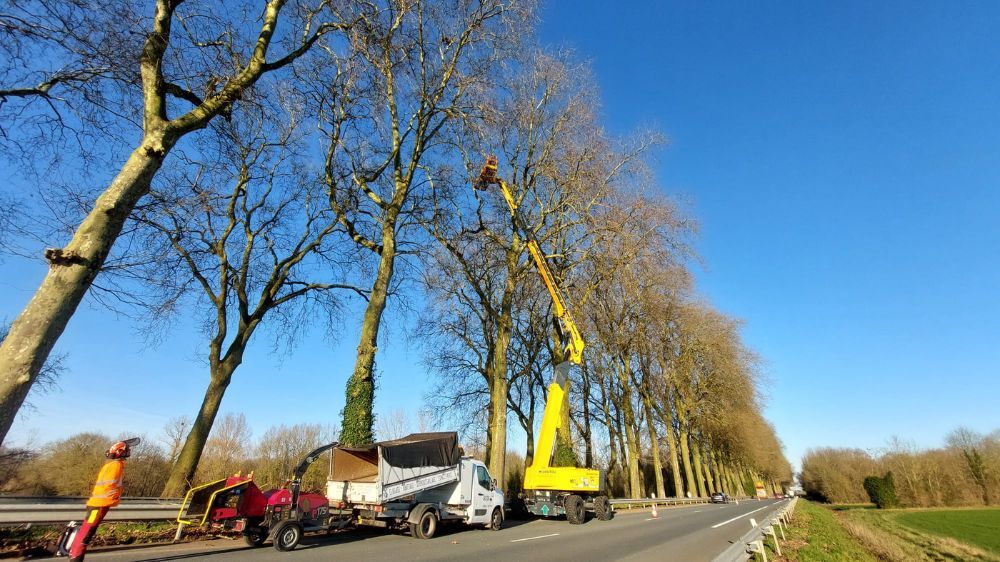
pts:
[885, 533]
[980, 527]
[815, 535]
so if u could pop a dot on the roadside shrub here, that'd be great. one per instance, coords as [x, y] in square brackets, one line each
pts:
[882, 491]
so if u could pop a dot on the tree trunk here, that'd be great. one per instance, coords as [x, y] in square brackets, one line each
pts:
[71, 272]
[716, 470]
[612, 434]
[654, 446]
[182, 473]
[686, 453]
[631, 439]
[565, 455]
[699, 475]
[587, 436]
[357, 418]
[674, 465]
[496, 370]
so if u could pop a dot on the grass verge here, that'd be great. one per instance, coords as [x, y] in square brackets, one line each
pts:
[884, 533]
[815, 535]
[979, 527]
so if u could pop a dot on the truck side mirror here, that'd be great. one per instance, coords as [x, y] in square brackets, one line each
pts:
[494, 486]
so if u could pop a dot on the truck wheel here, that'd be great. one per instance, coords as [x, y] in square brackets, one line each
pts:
[255, 538]
[496, 520]
[602, 508]
[576, 513]
[287, 537]
[425, 527]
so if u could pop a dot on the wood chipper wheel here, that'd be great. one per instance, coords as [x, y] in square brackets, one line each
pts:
[255, 538]
[576, 512]
[287, 536]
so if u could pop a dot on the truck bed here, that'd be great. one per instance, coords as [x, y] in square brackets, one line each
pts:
[391, 470]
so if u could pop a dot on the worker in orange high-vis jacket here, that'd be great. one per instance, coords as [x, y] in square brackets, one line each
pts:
[107, 493]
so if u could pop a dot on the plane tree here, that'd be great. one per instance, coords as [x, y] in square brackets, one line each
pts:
[82, 76]
[409, 69]
[236, 232]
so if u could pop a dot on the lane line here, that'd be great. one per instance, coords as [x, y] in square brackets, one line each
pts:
[739, 517]
[538, 537]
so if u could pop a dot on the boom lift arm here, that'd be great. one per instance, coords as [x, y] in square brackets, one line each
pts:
[548, 490]
[572, 341]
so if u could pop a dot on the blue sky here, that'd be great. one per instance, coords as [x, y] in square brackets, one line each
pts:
[842, 160]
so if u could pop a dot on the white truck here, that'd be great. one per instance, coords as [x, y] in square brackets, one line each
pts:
[420, 480]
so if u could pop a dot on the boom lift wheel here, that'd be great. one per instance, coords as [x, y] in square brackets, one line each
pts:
[602, 508]
[287, 536]
[576, 513]
[426, 526]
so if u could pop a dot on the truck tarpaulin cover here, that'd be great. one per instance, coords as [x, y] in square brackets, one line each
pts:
[422, 449]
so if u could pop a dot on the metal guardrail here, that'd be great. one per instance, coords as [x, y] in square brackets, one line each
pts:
[17, 510]
[648, 502]
[57, 509]
[753, 540]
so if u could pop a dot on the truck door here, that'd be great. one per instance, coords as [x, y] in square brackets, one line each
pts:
[482, 496]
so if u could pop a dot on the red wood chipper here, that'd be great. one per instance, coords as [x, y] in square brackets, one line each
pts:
[281, 515]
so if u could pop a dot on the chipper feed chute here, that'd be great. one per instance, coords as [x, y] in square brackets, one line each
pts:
[213, 501]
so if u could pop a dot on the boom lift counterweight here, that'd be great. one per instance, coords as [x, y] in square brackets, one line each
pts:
[548, 490]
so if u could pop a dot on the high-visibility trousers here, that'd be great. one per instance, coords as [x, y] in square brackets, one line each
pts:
[86, 532]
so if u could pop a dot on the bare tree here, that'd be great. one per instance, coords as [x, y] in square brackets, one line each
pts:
[249, 241]
[971, 446]
[155, 77]
[227, 450]
[393, 424]
[413, 68]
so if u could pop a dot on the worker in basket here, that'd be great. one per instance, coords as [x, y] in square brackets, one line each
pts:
[106, 494]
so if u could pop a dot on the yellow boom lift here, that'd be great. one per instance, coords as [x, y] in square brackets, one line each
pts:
[549, 490]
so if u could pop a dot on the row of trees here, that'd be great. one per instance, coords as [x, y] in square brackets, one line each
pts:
[327, 158]
[965, 471]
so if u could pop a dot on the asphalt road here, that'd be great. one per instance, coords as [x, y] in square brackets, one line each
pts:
[690, 533]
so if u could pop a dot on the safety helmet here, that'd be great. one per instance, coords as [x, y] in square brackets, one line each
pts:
[121, 449]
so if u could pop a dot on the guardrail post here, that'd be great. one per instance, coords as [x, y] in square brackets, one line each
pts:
[758, 546]
[781, 526]
[769, 530]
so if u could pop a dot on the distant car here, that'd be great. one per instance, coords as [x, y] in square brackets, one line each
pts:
[778, 496]
[719, 497]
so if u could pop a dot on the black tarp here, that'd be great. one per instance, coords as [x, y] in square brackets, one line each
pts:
[422, 449]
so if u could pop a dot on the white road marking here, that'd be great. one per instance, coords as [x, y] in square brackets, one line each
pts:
[739, 517]
[538, 537]
[696, 511]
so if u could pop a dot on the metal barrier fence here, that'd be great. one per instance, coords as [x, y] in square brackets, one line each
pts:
[649, 502]
[16, 510]
[753, 541]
